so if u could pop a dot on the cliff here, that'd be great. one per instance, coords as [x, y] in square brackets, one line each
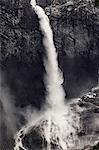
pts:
[75, 25]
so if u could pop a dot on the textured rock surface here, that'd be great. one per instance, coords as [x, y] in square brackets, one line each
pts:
[76, 33]
[75, 25]
[88, 135]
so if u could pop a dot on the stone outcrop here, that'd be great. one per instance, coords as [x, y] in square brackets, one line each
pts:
[75, 24]
[76, 33]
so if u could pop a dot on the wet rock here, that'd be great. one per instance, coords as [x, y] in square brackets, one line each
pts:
[76, 34]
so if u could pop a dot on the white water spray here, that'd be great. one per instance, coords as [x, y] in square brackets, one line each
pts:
[54, 79]
[6, 100]
[59, 119]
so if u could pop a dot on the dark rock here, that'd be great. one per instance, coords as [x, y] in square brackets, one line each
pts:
[96, 147]
[96, 110]
[76, 35]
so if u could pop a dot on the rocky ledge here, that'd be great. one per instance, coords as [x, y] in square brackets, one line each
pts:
[87, 108]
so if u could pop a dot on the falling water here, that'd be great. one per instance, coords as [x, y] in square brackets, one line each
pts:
[54, 79]
[57, 113]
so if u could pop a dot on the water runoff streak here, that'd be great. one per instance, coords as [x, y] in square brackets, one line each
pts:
[59, 129]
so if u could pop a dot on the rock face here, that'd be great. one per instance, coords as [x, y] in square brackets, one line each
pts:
[87, 108]
[76, 33]
[75, 24]
[89, 134]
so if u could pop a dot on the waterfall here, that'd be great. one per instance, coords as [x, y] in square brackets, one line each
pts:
[59, 118]
[53, 78]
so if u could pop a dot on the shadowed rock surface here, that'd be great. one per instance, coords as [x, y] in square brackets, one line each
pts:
[76, 35]
[75, 25]
[88, 135]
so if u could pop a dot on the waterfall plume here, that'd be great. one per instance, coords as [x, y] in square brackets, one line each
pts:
[53, 78]
[58, 116]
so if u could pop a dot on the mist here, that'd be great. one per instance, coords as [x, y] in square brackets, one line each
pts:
[53, 77]
[8, 109]
[55, 111]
